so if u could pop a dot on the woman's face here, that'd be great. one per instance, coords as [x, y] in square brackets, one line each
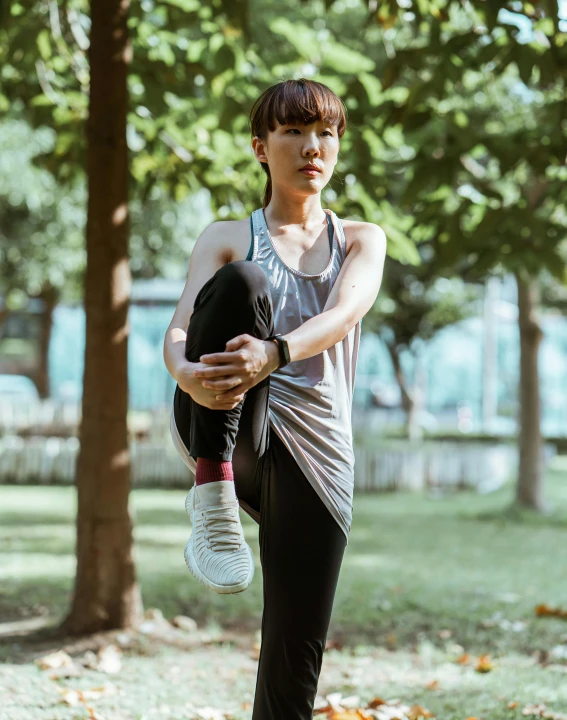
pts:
[289, 147]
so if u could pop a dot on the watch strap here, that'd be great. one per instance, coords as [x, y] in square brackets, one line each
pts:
[283, 349]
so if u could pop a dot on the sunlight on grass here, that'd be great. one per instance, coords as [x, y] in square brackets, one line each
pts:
[35, 565]
[414, 564]
[427, 578]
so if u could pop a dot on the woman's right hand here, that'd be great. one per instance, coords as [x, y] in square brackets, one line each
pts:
[193, 386]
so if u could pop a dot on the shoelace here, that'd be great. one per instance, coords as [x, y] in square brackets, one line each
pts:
[222, 528]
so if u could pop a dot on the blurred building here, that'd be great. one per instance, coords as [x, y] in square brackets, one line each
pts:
[452, 377]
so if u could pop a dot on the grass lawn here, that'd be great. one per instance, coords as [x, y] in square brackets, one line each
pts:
[424, 580]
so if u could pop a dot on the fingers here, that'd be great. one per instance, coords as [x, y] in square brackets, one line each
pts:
[216, 372]
[232, 396]
[226, 405]
[223, 384]
[222, 358]
[237, 342]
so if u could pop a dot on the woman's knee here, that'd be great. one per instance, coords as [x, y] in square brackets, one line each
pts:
[242, 278]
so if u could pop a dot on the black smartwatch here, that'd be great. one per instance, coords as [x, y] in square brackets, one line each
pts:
[283, 350]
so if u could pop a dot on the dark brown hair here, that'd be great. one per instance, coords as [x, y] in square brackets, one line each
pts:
[294, 101]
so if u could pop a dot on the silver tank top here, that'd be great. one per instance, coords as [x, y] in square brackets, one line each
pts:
[311, 400]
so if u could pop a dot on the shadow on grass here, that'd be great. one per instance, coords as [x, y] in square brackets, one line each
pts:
[20, 519]
[36, 545]
[460, 569]
[515, 514]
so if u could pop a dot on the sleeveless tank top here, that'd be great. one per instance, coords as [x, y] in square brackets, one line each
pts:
[310, 401]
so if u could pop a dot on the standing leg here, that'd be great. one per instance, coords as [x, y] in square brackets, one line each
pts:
[301, 549]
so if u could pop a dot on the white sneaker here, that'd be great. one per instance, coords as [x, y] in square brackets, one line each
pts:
[216, 552]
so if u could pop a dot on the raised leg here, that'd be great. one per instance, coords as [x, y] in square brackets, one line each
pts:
[234, 301]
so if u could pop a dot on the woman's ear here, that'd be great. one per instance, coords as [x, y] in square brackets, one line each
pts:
[258, 145]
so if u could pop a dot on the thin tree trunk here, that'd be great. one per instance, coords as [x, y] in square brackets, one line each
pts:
[106, 592]
[408, 399]
[49, 296]
[529, 489]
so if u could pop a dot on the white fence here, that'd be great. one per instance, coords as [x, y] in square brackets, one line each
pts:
[388, 466]
[47, 461]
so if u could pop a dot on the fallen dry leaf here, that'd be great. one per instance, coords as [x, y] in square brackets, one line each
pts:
[376, 703]
[79, 697]
[433, 685]
[484, 664]
[184, 623]
[74, 697]
[541, 711]
[109, 659]
[334, 707]
[71, 697]
[66, 672]
[416, 712]
[547, 611]
[56, 660]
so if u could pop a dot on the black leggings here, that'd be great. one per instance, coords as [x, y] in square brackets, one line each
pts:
[301, 544]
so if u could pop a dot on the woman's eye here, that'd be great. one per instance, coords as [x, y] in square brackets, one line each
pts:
[325, 131]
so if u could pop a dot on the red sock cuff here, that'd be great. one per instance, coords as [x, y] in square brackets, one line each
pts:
[213, 471]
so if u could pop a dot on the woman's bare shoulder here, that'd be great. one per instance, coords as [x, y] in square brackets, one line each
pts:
[231, 237]
[355, 228]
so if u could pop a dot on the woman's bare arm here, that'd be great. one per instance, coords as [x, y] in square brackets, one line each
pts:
[210, 253]
[352, 296]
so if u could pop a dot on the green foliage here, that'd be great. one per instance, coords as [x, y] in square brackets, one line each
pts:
[486, 118]
[415, 303]
[456, 112]
[41, 223]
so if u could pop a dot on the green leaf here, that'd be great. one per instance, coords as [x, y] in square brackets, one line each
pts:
[372, 85]
[185, 5]
[344, 60]
[44, 44]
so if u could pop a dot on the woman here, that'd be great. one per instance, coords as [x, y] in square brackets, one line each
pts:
[263, 347]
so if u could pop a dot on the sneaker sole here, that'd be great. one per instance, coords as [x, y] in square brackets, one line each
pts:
[194, 569]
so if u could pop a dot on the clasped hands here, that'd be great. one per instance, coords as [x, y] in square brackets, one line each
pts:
[221, 380]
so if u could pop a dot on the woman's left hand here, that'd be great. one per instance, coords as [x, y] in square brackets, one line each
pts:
[246, 362]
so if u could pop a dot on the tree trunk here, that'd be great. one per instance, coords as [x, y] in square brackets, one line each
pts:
[409, 404]
[106, 593]
[49, 296]
[529, 490]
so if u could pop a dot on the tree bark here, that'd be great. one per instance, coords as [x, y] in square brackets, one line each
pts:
[49, 295]
[409, 404]
[106, 593]
[529, 489]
